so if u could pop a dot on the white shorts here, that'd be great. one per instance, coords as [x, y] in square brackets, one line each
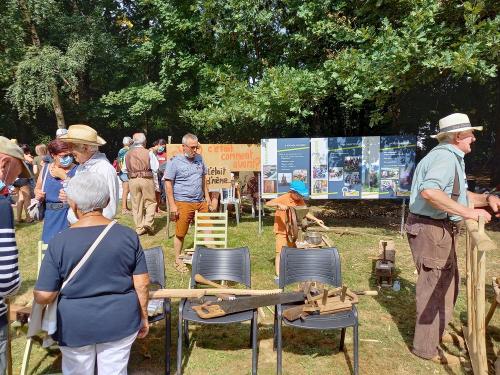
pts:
[112, 358]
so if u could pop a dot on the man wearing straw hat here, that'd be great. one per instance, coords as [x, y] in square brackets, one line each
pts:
[438, 202]
[85, 144]
[12, 165]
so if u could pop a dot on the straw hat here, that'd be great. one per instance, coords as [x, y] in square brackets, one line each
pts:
[7, 147]
[454, 123]
[83, 134]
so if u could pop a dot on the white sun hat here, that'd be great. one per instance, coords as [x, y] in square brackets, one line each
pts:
[454, 123]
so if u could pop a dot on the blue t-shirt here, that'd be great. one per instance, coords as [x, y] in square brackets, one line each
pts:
[100, 303]
[187, 178]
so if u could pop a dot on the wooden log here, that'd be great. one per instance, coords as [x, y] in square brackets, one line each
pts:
[341, 231]
[198, 293]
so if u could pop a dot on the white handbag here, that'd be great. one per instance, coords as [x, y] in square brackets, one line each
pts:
[44, 317]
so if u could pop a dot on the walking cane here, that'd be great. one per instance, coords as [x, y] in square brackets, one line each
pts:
[9, 349]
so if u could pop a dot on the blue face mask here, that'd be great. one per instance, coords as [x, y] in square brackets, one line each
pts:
[161, 149]
[66, 161]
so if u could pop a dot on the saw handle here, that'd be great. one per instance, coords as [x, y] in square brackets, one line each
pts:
[208, 311]
[201, 280]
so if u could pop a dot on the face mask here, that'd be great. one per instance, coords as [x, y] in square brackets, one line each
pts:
[161, 149]
[2, 182]
[66, 161]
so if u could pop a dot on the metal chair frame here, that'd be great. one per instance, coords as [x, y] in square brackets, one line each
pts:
[218, 264]
[321, 265]
[156, 269]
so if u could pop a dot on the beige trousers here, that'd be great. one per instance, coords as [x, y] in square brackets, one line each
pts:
[142, 194]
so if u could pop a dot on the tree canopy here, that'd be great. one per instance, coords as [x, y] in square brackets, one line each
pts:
[239, 70]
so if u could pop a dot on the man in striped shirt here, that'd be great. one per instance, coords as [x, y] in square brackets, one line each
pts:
[11, 166]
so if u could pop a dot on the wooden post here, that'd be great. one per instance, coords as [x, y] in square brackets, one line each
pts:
[480, 306]
[260, 204]
[478, 243]
[402, 229]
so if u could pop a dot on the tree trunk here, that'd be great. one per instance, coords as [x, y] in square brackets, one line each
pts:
[495, 171]
[58, 110]
[35, 39]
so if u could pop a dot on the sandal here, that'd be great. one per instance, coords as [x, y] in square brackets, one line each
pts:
[181, 267]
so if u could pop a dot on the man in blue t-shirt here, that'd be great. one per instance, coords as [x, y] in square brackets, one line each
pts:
[11, 166]
[187, 191]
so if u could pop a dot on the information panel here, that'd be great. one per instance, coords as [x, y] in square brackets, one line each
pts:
[340, 168]
[397, 164]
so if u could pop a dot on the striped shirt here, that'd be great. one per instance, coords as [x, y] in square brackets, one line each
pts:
[9, 271]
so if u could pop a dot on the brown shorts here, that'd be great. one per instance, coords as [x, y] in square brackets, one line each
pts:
[186, 215]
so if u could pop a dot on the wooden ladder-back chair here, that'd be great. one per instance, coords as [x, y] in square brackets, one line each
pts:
[210, 229]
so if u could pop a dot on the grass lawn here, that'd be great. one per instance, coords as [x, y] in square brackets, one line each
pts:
[386, 321]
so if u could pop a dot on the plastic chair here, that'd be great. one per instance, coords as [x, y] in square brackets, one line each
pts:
[156, 269]
[218, 264]
[228, 197]
[321, 265]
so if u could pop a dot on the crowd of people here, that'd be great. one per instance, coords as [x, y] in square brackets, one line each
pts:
[79, 189]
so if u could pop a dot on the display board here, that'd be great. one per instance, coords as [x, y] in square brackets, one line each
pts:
[284, 160]
[341, 167]
[222, 159]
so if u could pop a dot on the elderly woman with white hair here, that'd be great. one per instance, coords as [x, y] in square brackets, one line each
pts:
[103, 308]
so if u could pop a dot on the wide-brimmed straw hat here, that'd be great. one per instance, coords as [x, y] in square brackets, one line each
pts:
[8, 147]
[83, 134]
[454, 123]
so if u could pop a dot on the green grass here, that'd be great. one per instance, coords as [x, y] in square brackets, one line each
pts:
[386, 321]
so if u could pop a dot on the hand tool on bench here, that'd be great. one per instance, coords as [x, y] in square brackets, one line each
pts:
[216, 309]
[198, 293]
[333, 303]
[202, 280]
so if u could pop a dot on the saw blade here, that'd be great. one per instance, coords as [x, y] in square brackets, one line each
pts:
[253, 302]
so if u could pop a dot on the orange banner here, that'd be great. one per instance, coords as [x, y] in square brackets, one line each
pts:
[222, 159]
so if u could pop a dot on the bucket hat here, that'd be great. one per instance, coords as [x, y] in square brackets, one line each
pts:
[299, 187]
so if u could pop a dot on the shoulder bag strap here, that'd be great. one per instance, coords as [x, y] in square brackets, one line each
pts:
[45, 172]
[88, 254]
